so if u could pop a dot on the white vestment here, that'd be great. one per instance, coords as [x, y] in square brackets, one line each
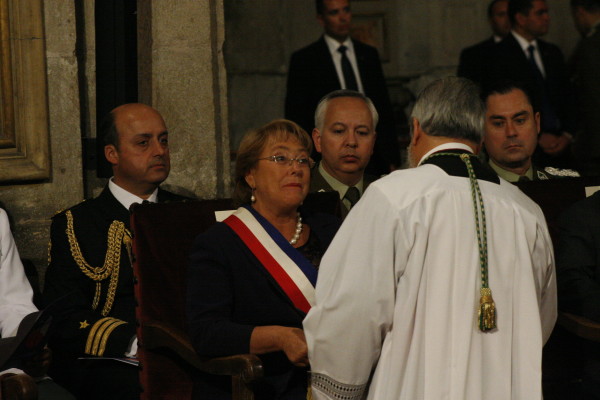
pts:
[399, 288]
[16, 295]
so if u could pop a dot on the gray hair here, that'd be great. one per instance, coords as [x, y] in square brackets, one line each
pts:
[324, 102]
[451, 107]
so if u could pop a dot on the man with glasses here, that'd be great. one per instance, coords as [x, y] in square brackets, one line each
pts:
[345, 134]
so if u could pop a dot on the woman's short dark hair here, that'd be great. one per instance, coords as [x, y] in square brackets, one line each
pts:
[252, 145]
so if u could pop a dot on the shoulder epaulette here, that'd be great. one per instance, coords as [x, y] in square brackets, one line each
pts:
[61, 211]
[562, 172]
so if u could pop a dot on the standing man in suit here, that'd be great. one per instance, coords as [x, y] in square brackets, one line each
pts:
[345, 136]
[583, 68]
[90, 260]
[473, 59]
[336, 61]
[522, 56]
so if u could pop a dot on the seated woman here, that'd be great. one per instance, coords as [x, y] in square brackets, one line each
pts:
[251, 278]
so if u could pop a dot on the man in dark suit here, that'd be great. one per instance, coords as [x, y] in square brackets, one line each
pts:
[473, 59]
[344, 136]
[523, 56]
[336, 61]
[583, 70]
[90, 260]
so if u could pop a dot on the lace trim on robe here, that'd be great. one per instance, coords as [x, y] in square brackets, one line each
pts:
[336, 390]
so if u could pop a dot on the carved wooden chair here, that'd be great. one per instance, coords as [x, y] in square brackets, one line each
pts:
[163, 235]
[17, 387]
[162, 238]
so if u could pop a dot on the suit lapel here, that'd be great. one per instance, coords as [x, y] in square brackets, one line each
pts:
[361, 61]
[516, 50]
[328, 67]
[110, 208]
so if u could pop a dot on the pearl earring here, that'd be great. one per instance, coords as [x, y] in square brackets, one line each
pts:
[252, 198]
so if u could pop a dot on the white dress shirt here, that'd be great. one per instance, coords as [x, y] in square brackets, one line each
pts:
[333, 46]
[524, 43]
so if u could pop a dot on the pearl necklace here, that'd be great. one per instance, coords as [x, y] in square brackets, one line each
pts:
[298, 231]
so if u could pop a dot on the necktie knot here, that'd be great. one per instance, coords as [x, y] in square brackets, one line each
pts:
[352, 195]
[342, 49]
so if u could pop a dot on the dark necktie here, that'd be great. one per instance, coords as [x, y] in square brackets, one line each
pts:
[534, 66]
[352, 195]
[347, 70]
[550, 122]
[524, 178]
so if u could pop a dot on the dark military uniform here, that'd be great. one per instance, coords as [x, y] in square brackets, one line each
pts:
[90, 266]
[319, 184]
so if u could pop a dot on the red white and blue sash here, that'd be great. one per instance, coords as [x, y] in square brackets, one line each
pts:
[292, 271]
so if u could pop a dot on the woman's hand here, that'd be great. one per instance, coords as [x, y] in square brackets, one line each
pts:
[267, 339]
[293, 344]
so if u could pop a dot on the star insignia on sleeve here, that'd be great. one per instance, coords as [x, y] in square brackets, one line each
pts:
[83, 325]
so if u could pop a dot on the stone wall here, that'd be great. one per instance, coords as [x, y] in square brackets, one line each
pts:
[32, 204]
[183, 76]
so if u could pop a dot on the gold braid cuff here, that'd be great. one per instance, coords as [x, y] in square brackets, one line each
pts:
[117, 234]
[98, 336]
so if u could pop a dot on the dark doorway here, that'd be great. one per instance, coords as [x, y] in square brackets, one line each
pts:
[116, 64]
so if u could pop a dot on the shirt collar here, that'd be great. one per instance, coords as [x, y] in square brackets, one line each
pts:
[446, 146]
[333, 44]
[508, 175]
[337, 185]
[524, 43]
[126, 198]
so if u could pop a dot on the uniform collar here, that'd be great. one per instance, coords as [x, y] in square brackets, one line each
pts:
[510, 176]
[337, 185]
[126, 198]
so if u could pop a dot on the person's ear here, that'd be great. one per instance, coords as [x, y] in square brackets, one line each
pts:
[537, 122]
[520, 19]
[320, 20]
[250, 179]
[417, 132]
[111, 153]
[316, 135]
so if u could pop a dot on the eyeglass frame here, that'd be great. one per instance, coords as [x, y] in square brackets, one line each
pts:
[311, 163]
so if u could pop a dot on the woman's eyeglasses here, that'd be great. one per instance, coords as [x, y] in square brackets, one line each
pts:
[303, 162]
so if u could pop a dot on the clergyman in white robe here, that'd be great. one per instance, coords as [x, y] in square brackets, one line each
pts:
[399, 288]
[16, 295]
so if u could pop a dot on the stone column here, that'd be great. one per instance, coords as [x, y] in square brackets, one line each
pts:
[182, 74]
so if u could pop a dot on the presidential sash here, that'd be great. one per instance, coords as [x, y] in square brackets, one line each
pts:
[291, 270]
